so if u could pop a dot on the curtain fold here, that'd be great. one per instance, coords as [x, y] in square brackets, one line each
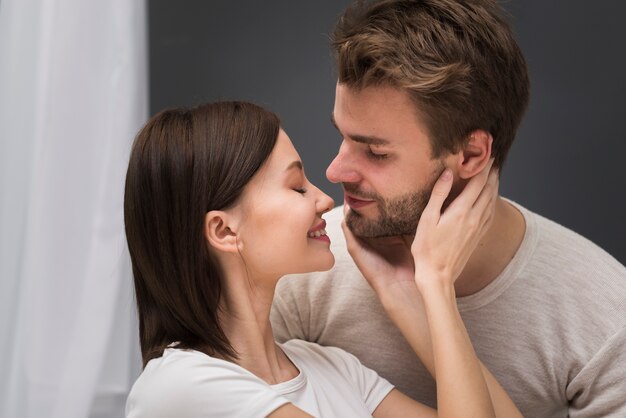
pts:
[73, 92]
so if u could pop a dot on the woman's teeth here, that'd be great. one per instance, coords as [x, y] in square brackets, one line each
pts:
[317, 233]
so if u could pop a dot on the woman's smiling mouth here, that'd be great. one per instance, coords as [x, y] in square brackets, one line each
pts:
[319, 232]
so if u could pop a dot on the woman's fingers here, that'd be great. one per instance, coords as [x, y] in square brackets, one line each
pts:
[357, 247]
[486, 199]
[438, 196]
[445, 241]
[485, 205]
[473, 188]
[350, 238]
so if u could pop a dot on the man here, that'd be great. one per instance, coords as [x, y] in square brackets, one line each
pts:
[424, 85]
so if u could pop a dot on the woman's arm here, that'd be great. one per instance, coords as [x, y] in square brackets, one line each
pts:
[443, 244]
[419, 296]
[414, 325]
[461, 386]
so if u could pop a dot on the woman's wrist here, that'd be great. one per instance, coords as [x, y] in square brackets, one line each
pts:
[433, 284]
[400, 304]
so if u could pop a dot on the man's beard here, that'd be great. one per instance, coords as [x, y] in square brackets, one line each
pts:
[397, 216]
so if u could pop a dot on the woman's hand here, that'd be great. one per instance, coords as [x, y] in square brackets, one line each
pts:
[445, 241]
[441, 247]
[386, 263]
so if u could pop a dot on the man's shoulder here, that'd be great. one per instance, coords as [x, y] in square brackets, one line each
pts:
[564, 263]
[557, 244]
[321, 354]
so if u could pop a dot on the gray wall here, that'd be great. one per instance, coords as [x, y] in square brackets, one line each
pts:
[566, 164]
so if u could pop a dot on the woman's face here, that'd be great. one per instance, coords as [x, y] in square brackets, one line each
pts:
[282, 231]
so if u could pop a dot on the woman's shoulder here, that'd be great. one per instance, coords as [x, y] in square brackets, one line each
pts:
[190, 383]
[188, 367]
[336, 370]
[186, 373]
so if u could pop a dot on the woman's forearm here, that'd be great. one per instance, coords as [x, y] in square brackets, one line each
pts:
[409, 316]
[411, 319]
[461, 387]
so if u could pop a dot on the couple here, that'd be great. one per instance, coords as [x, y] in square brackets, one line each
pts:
[217, 208]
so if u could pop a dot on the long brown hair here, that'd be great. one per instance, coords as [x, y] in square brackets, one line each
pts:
[184, 163]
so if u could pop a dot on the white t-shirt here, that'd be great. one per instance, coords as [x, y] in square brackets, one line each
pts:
[188, 383]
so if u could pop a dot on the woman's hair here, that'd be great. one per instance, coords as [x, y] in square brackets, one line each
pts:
[457, 60]
[183, 164]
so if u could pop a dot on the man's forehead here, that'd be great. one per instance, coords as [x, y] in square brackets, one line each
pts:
[362, 138]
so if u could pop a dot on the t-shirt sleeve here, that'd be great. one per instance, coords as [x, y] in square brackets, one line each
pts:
[191, 388]
[371, 387]
[599, 389]
[286, 317]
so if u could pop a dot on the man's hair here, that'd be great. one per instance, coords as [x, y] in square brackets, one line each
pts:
[458, 61]
[183, 164]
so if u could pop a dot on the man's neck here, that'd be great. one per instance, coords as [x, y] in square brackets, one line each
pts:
[494, 251]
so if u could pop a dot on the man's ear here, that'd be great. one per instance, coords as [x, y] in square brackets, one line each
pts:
[220, 231]
[475, 154]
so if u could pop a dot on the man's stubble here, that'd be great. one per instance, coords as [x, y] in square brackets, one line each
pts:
[397, 216]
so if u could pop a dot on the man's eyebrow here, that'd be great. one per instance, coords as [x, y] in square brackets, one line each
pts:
[363, 139]
[295, 164]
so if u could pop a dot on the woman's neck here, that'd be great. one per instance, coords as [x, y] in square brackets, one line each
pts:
[244, 317]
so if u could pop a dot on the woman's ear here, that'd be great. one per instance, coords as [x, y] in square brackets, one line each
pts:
[475, 154]
[220, 231]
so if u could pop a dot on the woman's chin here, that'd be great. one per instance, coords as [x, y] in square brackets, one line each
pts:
[324, 263]
[328, 263]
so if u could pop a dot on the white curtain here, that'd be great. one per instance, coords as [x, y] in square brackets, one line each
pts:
[73, 92]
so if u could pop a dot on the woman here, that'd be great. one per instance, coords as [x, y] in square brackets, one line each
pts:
[209, 238]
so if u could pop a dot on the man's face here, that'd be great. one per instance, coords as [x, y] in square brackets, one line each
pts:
[384, 161]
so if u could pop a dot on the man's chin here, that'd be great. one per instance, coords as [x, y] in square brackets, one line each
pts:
[360, 225]
[364, 227]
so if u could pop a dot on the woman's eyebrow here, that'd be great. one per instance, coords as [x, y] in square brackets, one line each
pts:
[295, 164]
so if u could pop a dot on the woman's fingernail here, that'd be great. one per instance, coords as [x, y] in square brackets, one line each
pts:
[447, 174]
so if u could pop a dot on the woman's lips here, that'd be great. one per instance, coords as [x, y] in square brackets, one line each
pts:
[356, 203]
[318, 233]
[318, 227]
[323, 238]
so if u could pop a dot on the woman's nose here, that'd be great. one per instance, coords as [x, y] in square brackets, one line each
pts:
[324, 202]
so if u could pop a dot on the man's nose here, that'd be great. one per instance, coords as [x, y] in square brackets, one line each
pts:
[343, 169]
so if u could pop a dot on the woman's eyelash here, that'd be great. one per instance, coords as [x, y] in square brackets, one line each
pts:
[301, 190]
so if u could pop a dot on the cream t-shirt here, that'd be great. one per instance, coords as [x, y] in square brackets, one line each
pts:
[551, 327]
[188, 383]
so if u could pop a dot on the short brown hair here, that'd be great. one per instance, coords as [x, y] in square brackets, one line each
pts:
[458, 60]
[183, 164]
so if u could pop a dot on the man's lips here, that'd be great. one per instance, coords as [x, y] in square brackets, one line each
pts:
[355, 202]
